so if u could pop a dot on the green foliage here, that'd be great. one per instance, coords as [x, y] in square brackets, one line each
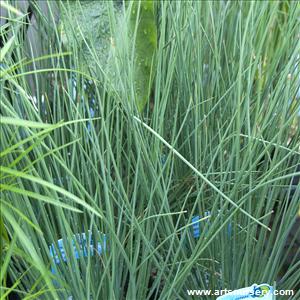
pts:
[75, 158]
[142, 26]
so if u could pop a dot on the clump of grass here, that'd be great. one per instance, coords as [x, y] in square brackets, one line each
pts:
[219, 115]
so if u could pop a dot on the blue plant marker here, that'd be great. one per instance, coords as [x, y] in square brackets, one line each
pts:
[196, 223]
[83, 248]
[196, 226]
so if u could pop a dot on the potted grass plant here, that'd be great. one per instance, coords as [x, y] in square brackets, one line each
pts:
[194, 189]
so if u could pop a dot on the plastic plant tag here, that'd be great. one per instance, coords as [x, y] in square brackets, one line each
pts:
[263, 291]
[196, 220]
[82, 241]
[196, 226]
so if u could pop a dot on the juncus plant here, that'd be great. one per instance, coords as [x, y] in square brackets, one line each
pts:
[218, 133]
